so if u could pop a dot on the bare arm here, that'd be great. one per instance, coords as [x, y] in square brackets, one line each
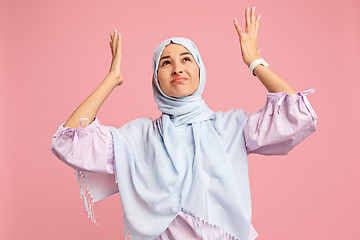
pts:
[249, 51]
[271, 81]
[91, 105]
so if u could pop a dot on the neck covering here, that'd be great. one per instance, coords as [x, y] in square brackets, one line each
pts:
[159, 173]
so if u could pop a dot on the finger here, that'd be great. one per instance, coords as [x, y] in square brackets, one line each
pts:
[257, 25]
[116, 35]
[111, 37]
[247, 19]
[111, 47]
[114, 42]
[119, 44]
[253, 15]
[237, 27]
[117, 39]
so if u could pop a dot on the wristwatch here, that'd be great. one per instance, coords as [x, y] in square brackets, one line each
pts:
[257, 62]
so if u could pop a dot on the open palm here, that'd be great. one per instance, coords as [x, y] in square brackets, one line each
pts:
[115, 45]
[248, 39]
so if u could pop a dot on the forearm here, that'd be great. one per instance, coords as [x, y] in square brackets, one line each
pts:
[271, 81]
[91, 105]
[249, 52]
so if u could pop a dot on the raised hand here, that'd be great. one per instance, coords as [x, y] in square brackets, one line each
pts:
[248, 39]
[115, 45]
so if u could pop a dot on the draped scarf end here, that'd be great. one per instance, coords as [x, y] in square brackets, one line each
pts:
[127, 233]
[201, 223]
[86, 196]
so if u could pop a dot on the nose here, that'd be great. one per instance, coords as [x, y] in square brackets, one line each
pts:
[177, 72]
[177, 68]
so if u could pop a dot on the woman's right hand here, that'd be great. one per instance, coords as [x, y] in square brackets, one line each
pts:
[115, 45]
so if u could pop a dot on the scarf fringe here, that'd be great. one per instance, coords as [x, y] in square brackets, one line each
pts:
[127, 233]
[221, 234]
[86, 196]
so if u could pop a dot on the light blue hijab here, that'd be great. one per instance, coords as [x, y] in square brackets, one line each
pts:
[189, 109]
[176, 162]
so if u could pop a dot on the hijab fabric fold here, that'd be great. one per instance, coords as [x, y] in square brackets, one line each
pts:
[159, 172]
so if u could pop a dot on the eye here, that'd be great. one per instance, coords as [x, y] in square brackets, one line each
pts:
[165, 63]
[185, 59]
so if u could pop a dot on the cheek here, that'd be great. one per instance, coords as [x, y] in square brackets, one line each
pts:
[162, 80]
[160, 76]
[196, 73]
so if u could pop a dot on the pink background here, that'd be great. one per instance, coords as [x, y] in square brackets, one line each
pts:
[53, 54]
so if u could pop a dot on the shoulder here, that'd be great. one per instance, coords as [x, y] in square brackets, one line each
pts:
[237, 115]
[229, 122]
[134, 127]
[138, 123]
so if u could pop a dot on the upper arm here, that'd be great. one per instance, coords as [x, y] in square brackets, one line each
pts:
[284, 121]
[86, 149]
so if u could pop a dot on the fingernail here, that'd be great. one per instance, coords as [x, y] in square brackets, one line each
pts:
[254, 8]
[235, 19]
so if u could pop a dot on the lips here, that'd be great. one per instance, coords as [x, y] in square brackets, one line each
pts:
[178, 80]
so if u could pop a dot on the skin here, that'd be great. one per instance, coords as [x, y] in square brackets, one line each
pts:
[178, 73]
[249, 51]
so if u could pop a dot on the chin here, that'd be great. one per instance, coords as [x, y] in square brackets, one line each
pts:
[178, 95]
[180, 92]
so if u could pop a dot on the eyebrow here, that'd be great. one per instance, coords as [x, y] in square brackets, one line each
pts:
[181, 54]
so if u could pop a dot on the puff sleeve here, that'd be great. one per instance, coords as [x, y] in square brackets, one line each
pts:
[284, 121]
[85, 149]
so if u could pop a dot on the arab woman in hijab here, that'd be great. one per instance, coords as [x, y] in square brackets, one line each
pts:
[183, 175]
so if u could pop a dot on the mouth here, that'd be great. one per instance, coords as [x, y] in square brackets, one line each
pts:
[178, 80]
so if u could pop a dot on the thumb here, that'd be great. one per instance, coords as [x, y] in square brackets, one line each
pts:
[237, 27]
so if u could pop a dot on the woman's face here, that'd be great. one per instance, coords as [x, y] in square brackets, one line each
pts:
[178, 73]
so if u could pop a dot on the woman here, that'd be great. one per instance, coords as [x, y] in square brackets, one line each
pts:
[183, 175]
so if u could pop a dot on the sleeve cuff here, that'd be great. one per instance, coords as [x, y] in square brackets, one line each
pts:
[279, 98]
[80, 130]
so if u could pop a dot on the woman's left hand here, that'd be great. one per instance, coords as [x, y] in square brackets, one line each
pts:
[248, 39]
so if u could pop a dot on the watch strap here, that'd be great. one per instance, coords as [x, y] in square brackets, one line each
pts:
[257, 62]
